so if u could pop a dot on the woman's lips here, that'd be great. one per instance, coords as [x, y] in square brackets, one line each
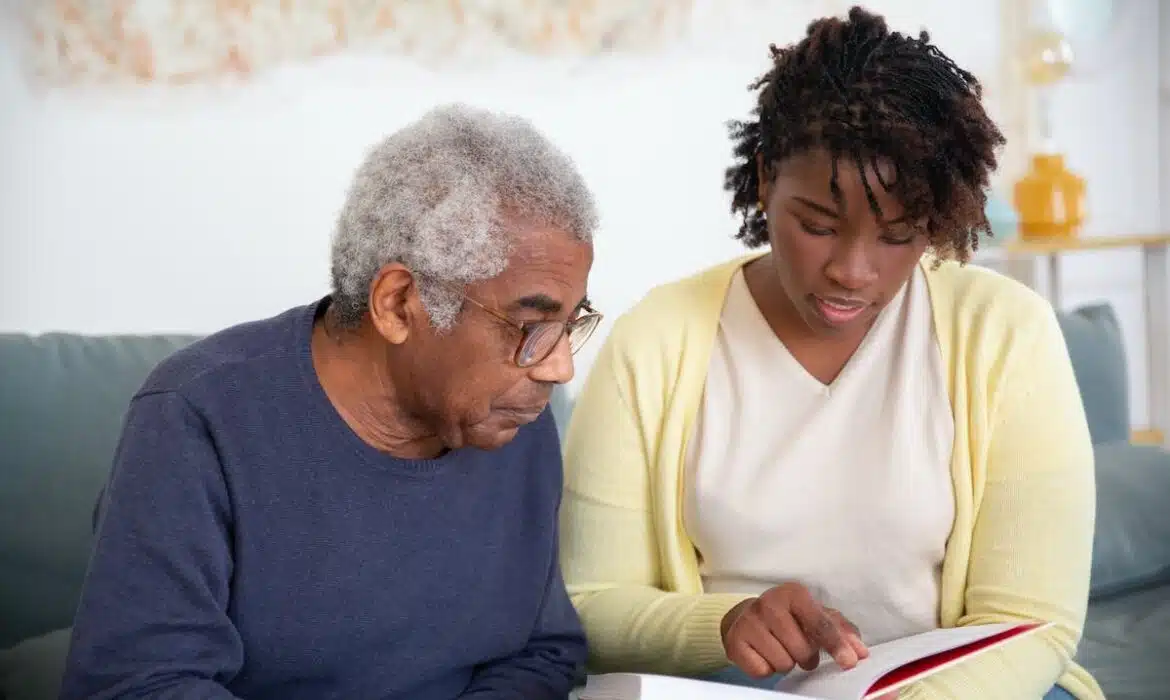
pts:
[838, 312]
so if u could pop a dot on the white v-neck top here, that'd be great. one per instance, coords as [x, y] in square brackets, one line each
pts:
[845, 488]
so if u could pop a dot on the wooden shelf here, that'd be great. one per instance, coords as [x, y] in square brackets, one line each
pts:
[1020, 248]
[1072, 245]
[1150, 436]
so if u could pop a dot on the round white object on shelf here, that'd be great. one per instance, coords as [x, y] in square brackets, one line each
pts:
[1088, 25]
[1082, 21]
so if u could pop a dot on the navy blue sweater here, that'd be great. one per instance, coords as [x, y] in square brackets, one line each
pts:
[251, 545]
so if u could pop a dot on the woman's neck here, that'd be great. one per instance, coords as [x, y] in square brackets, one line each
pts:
[822, 355]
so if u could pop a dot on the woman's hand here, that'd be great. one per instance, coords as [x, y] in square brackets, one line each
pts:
[786, 627]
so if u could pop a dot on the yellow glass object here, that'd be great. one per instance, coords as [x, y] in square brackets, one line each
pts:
[1050, 200]
[1047, 58]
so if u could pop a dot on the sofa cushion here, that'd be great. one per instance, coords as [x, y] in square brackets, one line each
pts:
[1131, 546]
[1126, 644]
[60, 417]
[32, 670]
[1097, 350]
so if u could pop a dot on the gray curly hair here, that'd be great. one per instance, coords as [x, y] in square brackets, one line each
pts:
[433, 197]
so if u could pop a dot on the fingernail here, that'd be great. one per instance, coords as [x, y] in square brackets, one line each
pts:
[846, 658]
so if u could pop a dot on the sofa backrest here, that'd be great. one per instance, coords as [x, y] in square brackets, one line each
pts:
[63, 398]
[62, 401]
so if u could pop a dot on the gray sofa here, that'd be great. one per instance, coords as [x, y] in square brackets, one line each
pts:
[62, 398]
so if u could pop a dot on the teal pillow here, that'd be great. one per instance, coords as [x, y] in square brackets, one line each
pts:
[561, 405]
[1097, 350]
[61, 411]
[32, 670]
[1131, 545]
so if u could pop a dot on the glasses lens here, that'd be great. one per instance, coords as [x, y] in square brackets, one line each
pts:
[581, 329]
[540, 340]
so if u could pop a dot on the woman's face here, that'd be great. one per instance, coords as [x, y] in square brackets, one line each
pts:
[838, 261]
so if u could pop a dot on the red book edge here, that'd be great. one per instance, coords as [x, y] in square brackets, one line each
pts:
[921, 667]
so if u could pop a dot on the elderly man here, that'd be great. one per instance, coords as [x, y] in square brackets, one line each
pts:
[357, 498]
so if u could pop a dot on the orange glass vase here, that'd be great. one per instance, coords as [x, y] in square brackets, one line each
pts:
[1050, 200]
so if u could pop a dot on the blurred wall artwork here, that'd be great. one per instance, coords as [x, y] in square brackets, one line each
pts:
[177, 42]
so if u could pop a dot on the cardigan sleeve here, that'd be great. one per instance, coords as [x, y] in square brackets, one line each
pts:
[609, 544]
[1033, 533]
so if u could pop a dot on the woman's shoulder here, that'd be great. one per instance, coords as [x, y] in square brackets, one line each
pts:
[681, 305]
[988, 323]
[973, 298]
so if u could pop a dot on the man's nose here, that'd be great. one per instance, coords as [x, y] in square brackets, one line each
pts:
[557, 368]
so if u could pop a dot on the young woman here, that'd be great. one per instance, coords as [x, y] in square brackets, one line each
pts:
[850, 437]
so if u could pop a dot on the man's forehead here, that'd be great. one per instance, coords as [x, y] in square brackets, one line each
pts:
[535, 244]
[530, 285]
[547, 270]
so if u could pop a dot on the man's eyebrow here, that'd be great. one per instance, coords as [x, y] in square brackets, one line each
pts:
[536, 302]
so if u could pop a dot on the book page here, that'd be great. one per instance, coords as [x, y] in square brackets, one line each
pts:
[632, 686]
[830, 681]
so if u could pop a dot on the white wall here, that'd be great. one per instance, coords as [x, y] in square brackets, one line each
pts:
[1164, 111]
[188, 212]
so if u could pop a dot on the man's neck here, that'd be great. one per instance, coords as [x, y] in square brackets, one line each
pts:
[353, 374]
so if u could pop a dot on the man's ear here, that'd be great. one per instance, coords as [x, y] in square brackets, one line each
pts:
[394, 302]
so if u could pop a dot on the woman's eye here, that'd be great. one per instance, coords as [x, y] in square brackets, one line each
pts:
[814, 230]
[903, 239]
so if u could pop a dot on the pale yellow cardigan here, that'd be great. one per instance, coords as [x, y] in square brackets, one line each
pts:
[1022, 466]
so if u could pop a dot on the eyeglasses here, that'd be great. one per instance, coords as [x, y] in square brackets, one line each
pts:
[538, 339]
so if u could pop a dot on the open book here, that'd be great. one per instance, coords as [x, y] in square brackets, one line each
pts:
[889, 667]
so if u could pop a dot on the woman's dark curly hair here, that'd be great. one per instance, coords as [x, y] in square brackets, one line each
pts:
[865, 92]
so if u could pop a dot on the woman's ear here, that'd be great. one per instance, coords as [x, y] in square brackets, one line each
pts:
[764, 189]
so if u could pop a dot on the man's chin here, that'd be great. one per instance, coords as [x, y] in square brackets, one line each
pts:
[498, 430]
[492, 439]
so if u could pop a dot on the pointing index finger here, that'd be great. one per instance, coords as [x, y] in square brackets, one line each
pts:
[821, 629]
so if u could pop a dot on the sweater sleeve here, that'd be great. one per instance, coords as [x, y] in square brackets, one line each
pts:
[152, 622]
[549, 666]
[609, 544]
[1033, 535]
